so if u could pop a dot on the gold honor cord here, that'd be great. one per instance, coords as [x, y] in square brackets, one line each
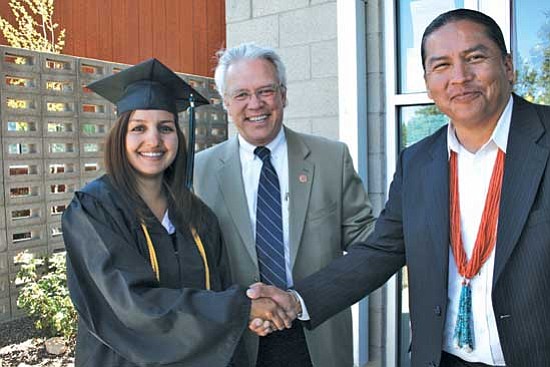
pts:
[200, 246]
[153, 255]
[152, 252]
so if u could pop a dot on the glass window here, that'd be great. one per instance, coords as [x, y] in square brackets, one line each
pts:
[413, 16]
[531, 45]
[417, 122]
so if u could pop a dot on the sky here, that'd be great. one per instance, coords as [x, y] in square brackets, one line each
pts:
[530, 16]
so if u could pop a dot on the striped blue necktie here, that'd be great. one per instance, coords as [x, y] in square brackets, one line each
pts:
[269, 224]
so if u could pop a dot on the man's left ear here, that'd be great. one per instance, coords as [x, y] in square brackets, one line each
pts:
[224, 104]
[283, 94]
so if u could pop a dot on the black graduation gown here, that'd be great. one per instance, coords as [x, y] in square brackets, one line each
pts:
[126, 318]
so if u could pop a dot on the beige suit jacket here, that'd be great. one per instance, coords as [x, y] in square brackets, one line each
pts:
[329, 209]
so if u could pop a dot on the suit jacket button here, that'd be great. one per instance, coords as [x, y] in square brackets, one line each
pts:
[437, 310]
[256, 279]
[432, 364]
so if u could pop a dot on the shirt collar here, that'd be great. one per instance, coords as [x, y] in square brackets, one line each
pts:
[275, 146]
[499, 136]
[167, 223]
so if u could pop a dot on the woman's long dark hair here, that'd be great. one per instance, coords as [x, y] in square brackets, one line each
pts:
[184, 207]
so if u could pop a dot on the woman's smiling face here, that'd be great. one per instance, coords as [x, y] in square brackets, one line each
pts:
[151, 142]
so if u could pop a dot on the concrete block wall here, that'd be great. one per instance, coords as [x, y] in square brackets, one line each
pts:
[304, 33]
[376, 148]
[52, 143]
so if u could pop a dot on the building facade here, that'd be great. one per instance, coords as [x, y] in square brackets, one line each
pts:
[183, 34]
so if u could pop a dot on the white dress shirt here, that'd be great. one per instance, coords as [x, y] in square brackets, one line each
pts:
[474, 175]
[251, 169]
[167, 223]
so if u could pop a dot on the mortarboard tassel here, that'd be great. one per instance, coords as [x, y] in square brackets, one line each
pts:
[190, 144]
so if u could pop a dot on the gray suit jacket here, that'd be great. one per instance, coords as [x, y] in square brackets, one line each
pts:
[414, 228]
[328, 211]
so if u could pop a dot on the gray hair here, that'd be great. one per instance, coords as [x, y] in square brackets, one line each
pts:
[249, 51]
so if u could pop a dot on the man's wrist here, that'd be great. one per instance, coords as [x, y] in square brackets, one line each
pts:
[297, 302]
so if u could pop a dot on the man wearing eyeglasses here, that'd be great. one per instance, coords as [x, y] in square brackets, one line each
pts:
[287, 203]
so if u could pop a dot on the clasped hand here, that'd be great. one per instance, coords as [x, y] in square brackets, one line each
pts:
[272, 309]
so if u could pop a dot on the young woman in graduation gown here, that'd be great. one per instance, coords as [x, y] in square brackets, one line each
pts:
[145, 263]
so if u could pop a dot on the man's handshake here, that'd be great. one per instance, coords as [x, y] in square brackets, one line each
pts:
[272, 309]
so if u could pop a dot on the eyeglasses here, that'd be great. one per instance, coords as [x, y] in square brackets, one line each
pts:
[263, 93]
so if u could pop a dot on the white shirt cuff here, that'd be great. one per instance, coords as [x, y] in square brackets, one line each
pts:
[304, 316]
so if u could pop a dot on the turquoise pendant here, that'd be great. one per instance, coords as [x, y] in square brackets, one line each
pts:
[464, 333]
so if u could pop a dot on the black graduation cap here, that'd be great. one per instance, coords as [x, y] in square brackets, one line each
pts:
[147, 86]
[151, 85]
